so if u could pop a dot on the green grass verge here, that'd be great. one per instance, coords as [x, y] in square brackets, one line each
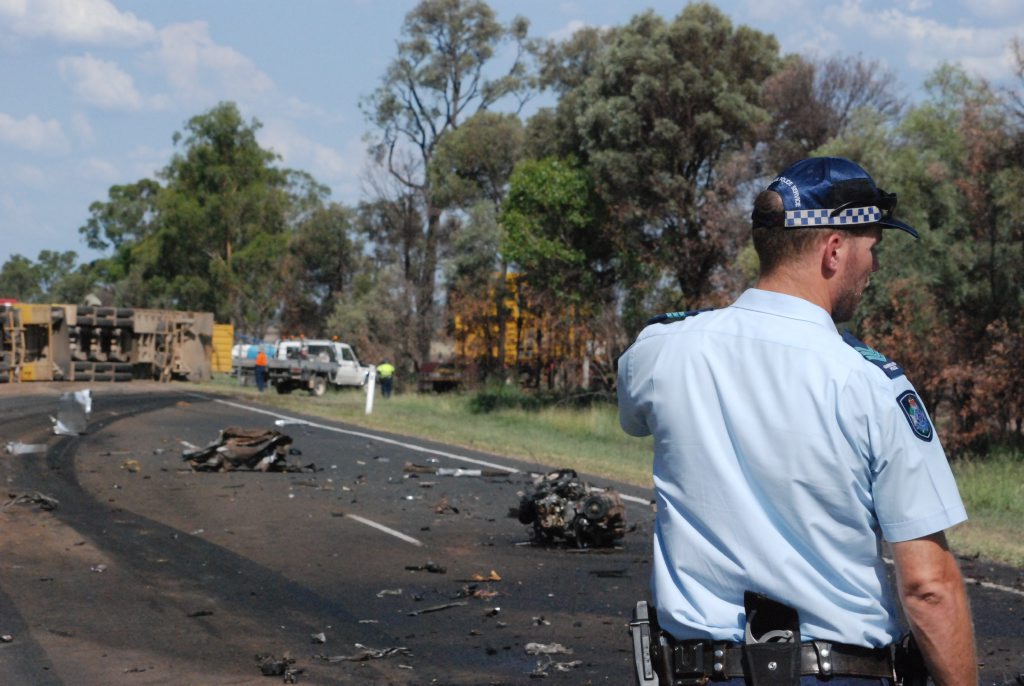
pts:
[993, 491]
[590, 440]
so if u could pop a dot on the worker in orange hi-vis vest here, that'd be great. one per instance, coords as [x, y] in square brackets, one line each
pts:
[261, 370]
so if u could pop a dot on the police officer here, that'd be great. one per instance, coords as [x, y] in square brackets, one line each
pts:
[785, 453]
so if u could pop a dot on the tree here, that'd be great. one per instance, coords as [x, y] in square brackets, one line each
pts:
[439, 78]
[323, 257]
[19, 279]
[126, 217]
[665, 106]
[813, 101]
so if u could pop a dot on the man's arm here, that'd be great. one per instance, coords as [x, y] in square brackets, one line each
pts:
[932, 592]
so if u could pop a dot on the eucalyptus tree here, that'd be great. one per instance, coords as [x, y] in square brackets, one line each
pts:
[447, 68]
[663, 110]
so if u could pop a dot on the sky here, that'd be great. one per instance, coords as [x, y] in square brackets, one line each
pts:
[92, 91]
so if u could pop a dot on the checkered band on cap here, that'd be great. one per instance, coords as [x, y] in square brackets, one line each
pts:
[853, 216]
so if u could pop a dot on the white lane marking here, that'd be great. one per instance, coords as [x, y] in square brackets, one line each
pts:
[969, 580]
[989, 584]
[362, 434]
[381, 527]
[410, 446]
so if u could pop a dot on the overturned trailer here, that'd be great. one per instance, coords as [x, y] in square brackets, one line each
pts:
[87, 343]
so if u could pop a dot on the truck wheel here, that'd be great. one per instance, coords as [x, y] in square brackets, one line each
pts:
[317, 386]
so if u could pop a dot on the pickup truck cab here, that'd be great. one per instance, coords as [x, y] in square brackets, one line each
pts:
[345, 367]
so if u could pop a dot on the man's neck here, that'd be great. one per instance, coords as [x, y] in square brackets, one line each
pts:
[781, 281]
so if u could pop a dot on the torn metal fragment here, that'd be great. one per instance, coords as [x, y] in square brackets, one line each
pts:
[546, 649]
[44, 501]
[73, 413]
[365, 654]
[435, 608]
[19, 448]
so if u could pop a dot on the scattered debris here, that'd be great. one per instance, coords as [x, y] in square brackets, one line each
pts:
[472, 591]
[132, 466]
[389, 591]
[365, 654]
[99, 569]
[72, 413]
[290, 422]
[444, 507]
[44, 501]
[541, 670]
[272, 666]
[6, 638]
[412, 468]
[435, 608]
[237, 448]
[564, 507]
[540, 621]
[318, 638]
[492, 576]
[546, 649]
[200, 613]
[19, 448]
[431, 567]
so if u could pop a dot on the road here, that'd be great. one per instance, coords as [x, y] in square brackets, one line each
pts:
[149, 573]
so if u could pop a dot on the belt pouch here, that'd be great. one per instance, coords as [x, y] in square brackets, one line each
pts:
[772, 664]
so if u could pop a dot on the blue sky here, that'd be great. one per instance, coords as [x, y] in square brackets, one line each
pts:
[93, 90]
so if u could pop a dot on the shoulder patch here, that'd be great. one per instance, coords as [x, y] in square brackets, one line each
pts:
[913, 410]
[891, 368]
[669, 317]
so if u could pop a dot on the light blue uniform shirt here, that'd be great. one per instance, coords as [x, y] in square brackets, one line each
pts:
[782, 457]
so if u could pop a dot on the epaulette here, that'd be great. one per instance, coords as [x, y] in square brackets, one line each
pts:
[892, 369]
[669, 317]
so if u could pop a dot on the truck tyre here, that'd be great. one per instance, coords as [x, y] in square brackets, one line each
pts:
[317, 386]
[283, 388]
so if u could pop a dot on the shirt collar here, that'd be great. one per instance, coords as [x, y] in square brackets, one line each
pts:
[782, 305]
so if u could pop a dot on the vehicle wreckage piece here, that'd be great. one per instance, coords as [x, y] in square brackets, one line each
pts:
[562, 506]
[261, 450]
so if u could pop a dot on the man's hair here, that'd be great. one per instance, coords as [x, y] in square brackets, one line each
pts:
[776, 245]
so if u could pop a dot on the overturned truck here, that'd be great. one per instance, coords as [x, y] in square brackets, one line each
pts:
[87, 343]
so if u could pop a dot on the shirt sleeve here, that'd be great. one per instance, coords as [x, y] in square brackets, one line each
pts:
[631, 416]
[913, 488]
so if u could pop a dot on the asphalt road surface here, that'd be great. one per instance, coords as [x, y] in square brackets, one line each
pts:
[149, 573]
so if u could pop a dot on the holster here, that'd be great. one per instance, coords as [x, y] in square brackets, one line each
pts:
[646, 637]
[908, 663]
[771, 649]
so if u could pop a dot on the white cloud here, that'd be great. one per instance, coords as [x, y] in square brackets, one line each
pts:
[994, 8]
[97, 169]
[93, 22]
[100, 83]
[83, 128]
[199, 69]
[32, 134]
[927, 42]
[339, 169]
[30, 175]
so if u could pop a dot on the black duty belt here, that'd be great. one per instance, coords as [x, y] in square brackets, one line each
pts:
[720, 660]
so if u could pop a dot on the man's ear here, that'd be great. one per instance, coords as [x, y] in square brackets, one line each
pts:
[831, 254]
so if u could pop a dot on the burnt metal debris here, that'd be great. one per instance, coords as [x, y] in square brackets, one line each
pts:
[563, 507]
[236, 448]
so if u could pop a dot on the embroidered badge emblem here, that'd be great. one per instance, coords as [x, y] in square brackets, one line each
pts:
[913, 410]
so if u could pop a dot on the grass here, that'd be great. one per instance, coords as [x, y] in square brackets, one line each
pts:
[590, 441]
[993, 490]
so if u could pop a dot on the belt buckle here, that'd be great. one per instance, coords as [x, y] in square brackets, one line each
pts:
[688, 664]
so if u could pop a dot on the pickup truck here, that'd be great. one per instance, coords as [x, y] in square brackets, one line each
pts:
[312, 364]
